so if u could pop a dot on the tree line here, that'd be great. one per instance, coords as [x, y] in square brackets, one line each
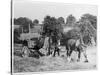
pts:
[53, 27]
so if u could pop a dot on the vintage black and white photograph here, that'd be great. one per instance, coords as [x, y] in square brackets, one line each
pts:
[48, 36]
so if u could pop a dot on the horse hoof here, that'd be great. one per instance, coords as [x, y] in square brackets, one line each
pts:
[78, 60]
[86, 61]
[68, 59]
[62, 55]
[72, 60]
[53, 56]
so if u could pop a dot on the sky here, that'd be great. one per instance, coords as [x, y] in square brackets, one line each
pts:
[38, 10]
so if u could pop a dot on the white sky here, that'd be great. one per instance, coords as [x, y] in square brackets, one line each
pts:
[38, 10]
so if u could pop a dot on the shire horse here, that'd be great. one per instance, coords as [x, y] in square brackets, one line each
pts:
[75, 45]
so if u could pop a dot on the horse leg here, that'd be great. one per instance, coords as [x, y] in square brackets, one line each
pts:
[54, 53]
[79, 55]
[85, 55]
[22, 52]
[48, 49]
[58, 52]
[69, 54]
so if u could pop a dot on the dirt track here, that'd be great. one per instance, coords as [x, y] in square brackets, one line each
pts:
[49, 63]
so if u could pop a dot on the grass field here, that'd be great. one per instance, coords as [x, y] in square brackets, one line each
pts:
[49, 63]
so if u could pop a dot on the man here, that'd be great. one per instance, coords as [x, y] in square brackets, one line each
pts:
[56, 50]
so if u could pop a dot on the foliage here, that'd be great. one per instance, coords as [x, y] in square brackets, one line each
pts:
[24, 23]
[51, 27]
[61, 20]
[70, 21]
[21, 21]
[92, 19]
[87, 25]
[87, 40]
[35, 21]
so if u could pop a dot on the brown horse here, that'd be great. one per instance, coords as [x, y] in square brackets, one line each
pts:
[76, 45]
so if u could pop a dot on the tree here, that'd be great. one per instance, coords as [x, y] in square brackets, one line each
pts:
[51, 26]
[36, 21]
[61, 20]
[52, 29]
[87, 25]
[71, 20]
[91, 18]
[19, 21]
[24, 23]
[16, 36]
